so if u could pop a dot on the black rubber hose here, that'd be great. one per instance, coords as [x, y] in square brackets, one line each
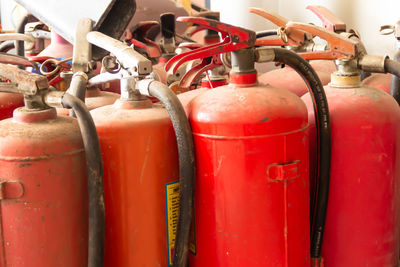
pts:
[95, 179]
[6, 46]
[19, 45]
[184, 139]
[323, 133]
[393, 68]
[266, 33]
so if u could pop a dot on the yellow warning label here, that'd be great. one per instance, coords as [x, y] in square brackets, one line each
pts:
[172, 207]
[172, 201]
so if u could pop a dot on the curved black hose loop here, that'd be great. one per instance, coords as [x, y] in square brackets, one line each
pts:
[266, 33]
[7, 46]
[393, 67]
[323, 133]
[95, 179]
[184, 139]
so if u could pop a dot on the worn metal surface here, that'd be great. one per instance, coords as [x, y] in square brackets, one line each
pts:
[7, 58]
[16, 37]
[26, 82]
[130, 59]
[110, 17]
[373, 63]
[82, 53]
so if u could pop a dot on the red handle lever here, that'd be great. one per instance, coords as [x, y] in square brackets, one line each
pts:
[233, 38]
[329, 20]
[293, 37]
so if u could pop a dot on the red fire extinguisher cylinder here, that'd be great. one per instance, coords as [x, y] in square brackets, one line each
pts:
[45, 183]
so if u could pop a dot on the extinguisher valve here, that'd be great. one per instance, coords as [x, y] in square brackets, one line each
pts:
[35, 88]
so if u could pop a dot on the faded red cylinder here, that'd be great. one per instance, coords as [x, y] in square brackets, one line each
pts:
[44, 199]
[252, 192]
[362, 223]
[289, 79]
[141, 174]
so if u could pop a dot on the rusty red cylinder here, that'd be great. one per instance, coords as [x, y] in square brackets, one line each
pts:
[362, 223]
[44, 199]
[8, 103]
[251, 192]
[289, 79]
[141, 174]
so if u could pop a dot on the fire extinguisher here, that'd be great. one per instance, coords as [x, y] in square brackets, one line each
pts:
[298, 40]
[252, 195]
[148, 166]
[385, 81]
[52, 211]
[362, 221]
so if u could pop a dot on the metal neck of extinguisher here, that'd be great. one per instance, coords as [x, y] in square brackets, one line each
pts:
[134, 68]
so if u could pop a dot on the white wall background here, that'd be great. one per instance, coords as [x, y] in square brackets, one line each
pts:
[366, 16]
